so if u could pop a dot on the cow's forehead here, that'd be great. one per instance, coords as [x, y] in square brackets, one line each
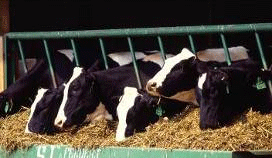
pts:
[169, 64]
[129, 94]
[76, 72]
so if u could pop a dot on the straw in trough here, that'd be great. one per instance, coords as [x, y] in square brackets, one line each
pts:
[252, 132]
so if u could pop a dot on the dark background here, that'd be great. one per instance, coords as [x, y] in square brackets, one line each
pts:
[55, 15]
[48, 15]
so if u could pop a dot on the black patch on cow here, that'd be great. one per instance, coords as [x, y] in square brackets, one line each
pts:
[146, 111]
[182, 77]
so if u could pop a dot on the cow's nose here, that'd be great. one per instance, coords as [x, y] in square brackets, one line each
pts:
[59, 123]
[151, 86]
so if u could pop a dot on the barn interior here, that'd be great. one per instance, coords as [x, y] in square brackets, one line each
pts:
[71, 15]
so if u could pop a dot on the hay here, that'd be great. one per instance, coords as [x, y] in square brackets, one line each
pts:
[253, 132]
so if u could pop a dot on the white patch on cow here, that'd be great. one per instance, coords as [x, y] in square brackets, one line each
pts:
[217, 54]
[169, 64]
[34, 105]
[61, 118]
[201, 80]
[124, 58]
[156, 58]
[128, 99]
[68, 53]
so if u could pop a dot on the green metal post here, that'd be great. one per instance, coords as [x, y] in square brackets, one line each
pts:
[74, 51]
[226, 50]
[134, 62]
[161, 48]
[103, 53]
[169, 31]
[12, 66]
[50, 63]
[191, 40]
[22, 55]
[6, 61]
[259, 44]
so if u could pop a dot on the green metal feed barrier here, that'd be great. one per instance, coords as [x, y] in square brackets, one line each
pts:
[62, 151]
[129, 34]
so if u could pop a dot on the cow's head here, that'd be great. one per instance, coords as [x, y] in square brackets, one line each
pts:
[77, 100]
[226, 93]
[44, 110]
[137, 110]
[178, 74]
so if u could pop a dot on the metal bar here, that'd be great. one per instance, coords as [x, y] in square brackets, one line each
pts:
[6, 61]
[50, 63]
[161, 48]
[12, 66]
[260, 48]
[226, 50]
[134, 62]
[103, 53]
[191, 40]
[74, 51]
[179, 30]
[22, 55]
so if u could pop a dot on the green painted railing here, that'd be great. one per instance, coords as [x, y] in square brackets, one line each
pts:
[62, 151]
[129, 34]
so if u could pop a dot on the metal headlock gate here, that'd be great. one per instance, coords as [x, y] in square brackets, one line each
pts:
[129, 34]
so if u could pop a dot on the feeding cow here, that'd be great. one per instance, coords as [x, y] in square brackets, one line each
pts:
[85, 90]
[44, 109]
[25, 88]
[227, 92]
[192, 72]
[136, 110]
[50, 101]
[182, 67]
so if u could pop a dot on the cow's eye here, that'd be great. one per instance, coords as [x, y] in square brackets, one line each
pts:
[75, 86]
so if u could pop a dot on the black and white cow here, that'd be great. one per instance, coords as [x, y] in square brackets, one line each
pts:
[136, 110]
[182, 67]
[192, 72]
[86, 90]
[23, 91]
[45, 107]
[227, 92]
[44, 110]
